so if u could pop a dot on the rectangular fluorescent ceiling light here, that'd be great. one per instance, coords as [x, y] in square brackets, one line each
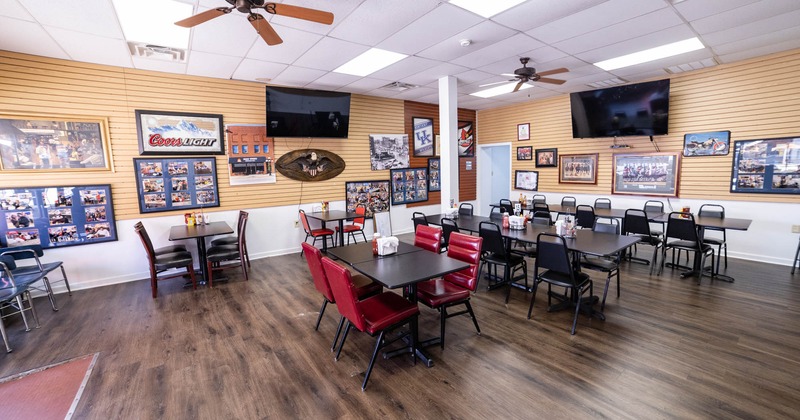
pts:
[153, 21]
[369, 62]
[499, 90]
[486, 8]
[652, 54]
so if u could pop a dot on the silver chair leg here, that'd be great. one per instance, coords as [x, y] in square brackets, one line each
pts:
[5, 337]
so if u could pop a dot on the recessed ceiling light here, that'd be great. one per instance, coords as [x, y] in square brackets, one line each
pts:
[486, 8]
[652, 54]
[369, 62]
[140, 24]
[499, 90]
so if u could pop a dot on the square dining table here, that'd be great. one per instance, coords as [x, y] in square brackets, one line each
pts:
[334, 216]
[200, 233]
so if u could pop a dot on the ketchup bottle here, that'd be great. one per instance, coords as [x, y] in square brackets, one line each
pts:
[375, 243]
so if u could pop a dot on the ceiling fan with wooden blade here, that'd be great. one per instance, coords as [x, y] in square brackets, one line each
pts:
[527, 74]
[261, 25]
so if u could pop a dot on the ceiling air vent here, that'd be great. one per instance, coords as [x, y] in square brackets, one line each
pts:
[695, 65]
[398, 86]
[157, 52]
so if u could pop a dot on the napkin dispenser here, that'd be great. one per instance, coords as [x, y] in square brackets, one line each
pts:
[388, 245]
[516, 222]
[452, 213]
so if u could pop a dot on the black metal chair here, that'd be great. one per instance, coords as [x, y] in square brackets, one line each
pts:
[419, 218]
[465, 209]
[608, 265]
[602, 203]
[496, 253]
[683, 229]
[448, 226]
[539, 198]
[568, 205]
[655, 206]
[12, 291]
[506, 206]
[715, 210]
[543, 218]
[636, 223]
[559, 271]
[584, 216]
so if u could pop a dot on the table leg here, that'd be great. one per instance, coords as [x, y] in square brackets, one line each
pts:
[201, 249]
[413, 346]
[341, 232]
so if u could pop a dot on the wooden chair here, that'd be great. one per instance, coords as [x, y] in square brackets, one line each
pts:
[233, 240]
[162, 261]
[216, 255]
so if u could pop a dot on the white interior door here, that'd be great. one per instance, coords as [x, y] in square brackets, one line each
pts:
[494, 180]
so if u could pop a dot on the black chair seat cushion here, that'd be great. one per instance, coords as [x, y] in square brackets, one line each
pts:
[174, 260]
[563, 280]
[713, 241]
[511, 259]
[225, 240]
[599, 264]
[690, 245]
[384, 310]
[438, 292]
[222, 253]
[171, 249]
[649, 240]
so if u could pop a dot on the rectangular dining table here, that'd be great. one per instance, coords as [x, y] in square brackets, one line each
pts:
[200, 233]
[400, 270]
[333, 216]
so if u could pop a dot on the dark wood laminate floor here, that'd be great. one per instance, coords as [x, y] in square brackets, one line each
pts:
[669, 349]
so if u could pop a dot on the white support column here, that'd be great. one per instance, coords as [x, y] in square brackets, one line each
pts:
[448, 147]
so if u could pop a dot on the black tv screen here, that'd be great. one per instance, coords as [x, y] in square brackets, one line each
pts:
[640, 109]
[307, 113]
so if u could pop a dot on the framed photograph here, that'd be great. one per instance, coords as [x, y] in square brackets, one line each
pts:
[525, 153]
[409, 185]
[524, 131]
[166, 184]
[768, 166]
[466, 139]
[546, 158]
[577, 169]
[251, 154]
[434, 175]
[372, 194]
[713, 143]
[55, 217]
[646, 174]
[54, 143]
[423, 136]
[179, 133]
[526, 180]
[388, 151]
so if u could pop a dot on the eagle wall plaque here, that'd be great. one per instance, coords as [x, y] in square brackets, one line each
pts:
[310, 165]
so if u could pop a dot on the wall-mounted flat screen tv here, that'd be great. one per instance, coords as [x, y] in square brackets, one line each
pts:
[307, 113]
[640, 109]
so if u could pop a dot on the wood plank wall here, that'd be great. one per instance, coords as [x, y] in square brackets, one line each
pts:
[467, 180]
[754, 99]
[40, 86]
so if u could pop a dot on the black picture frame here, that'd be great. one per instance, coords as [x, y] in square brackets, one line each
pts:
[547, 158]
[526, 180]
[525, 153]
[57, 216]
[424, 138]
[712, 143]
[763, 166]
[179, 133]
[374, 195]
[434, 175]
[167, 184]
[409, 185]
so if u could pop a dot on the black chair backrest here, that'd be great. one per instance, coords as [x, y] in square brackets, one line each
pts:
[552, 254]
[568, 201]
[539, 198]
[448, 226]
[492, 239]
[419, 218]
[602, 203]
[506, 206]
[712, 210]
[654, 206]
[537, 206]
[585, 216]
[465, 209]
[636, 222]
[682, 226]
[542, 218]
[606, 228]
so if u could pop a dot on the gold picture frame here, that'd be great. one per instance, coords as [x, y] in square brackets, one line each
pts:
[46, 143]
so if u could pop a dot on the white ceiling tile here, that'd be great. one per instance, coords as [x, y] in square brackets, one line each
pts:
[92, 48]
[95, 17]
[649, 75]
[693, 10]
[229, 34]
[332, 80]
[532, 14]
[652, 22]
[212, 65]
[36, 40]
[295, 44]
[435, 73]
[251, 70]
[502, 50]
[339, 8]
[655, 39]
[297, 76]
[417, 93]
[404, 68]
[751, 43]
[365, 85]
[473, 76]
[436, 26]
[745, 15]
[756, 28]
[362, 26]
[482, 35]
[330, 53]
[630, 72]
[544, 54]
[153, 64]
[12, 9]
[594, 18]
[757, 52]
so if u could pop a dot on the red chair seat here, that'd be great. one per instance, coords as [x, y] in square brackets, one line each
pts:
[385, 310]
[351, 228]
[321, 232]
[438, 292]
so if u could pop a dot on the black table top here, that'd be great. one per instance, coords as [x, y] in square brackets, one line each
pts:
[464, 222]
[199, 231]
[333, 215]
[406, 269]
[362, 251]
[716, 222]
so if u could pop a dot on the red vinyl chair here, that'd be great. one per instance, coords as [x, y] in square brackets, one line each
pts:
[323, 233]
[364, 287]
[376, 315]
[454, 288]
[357, 226]
[429, 238]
